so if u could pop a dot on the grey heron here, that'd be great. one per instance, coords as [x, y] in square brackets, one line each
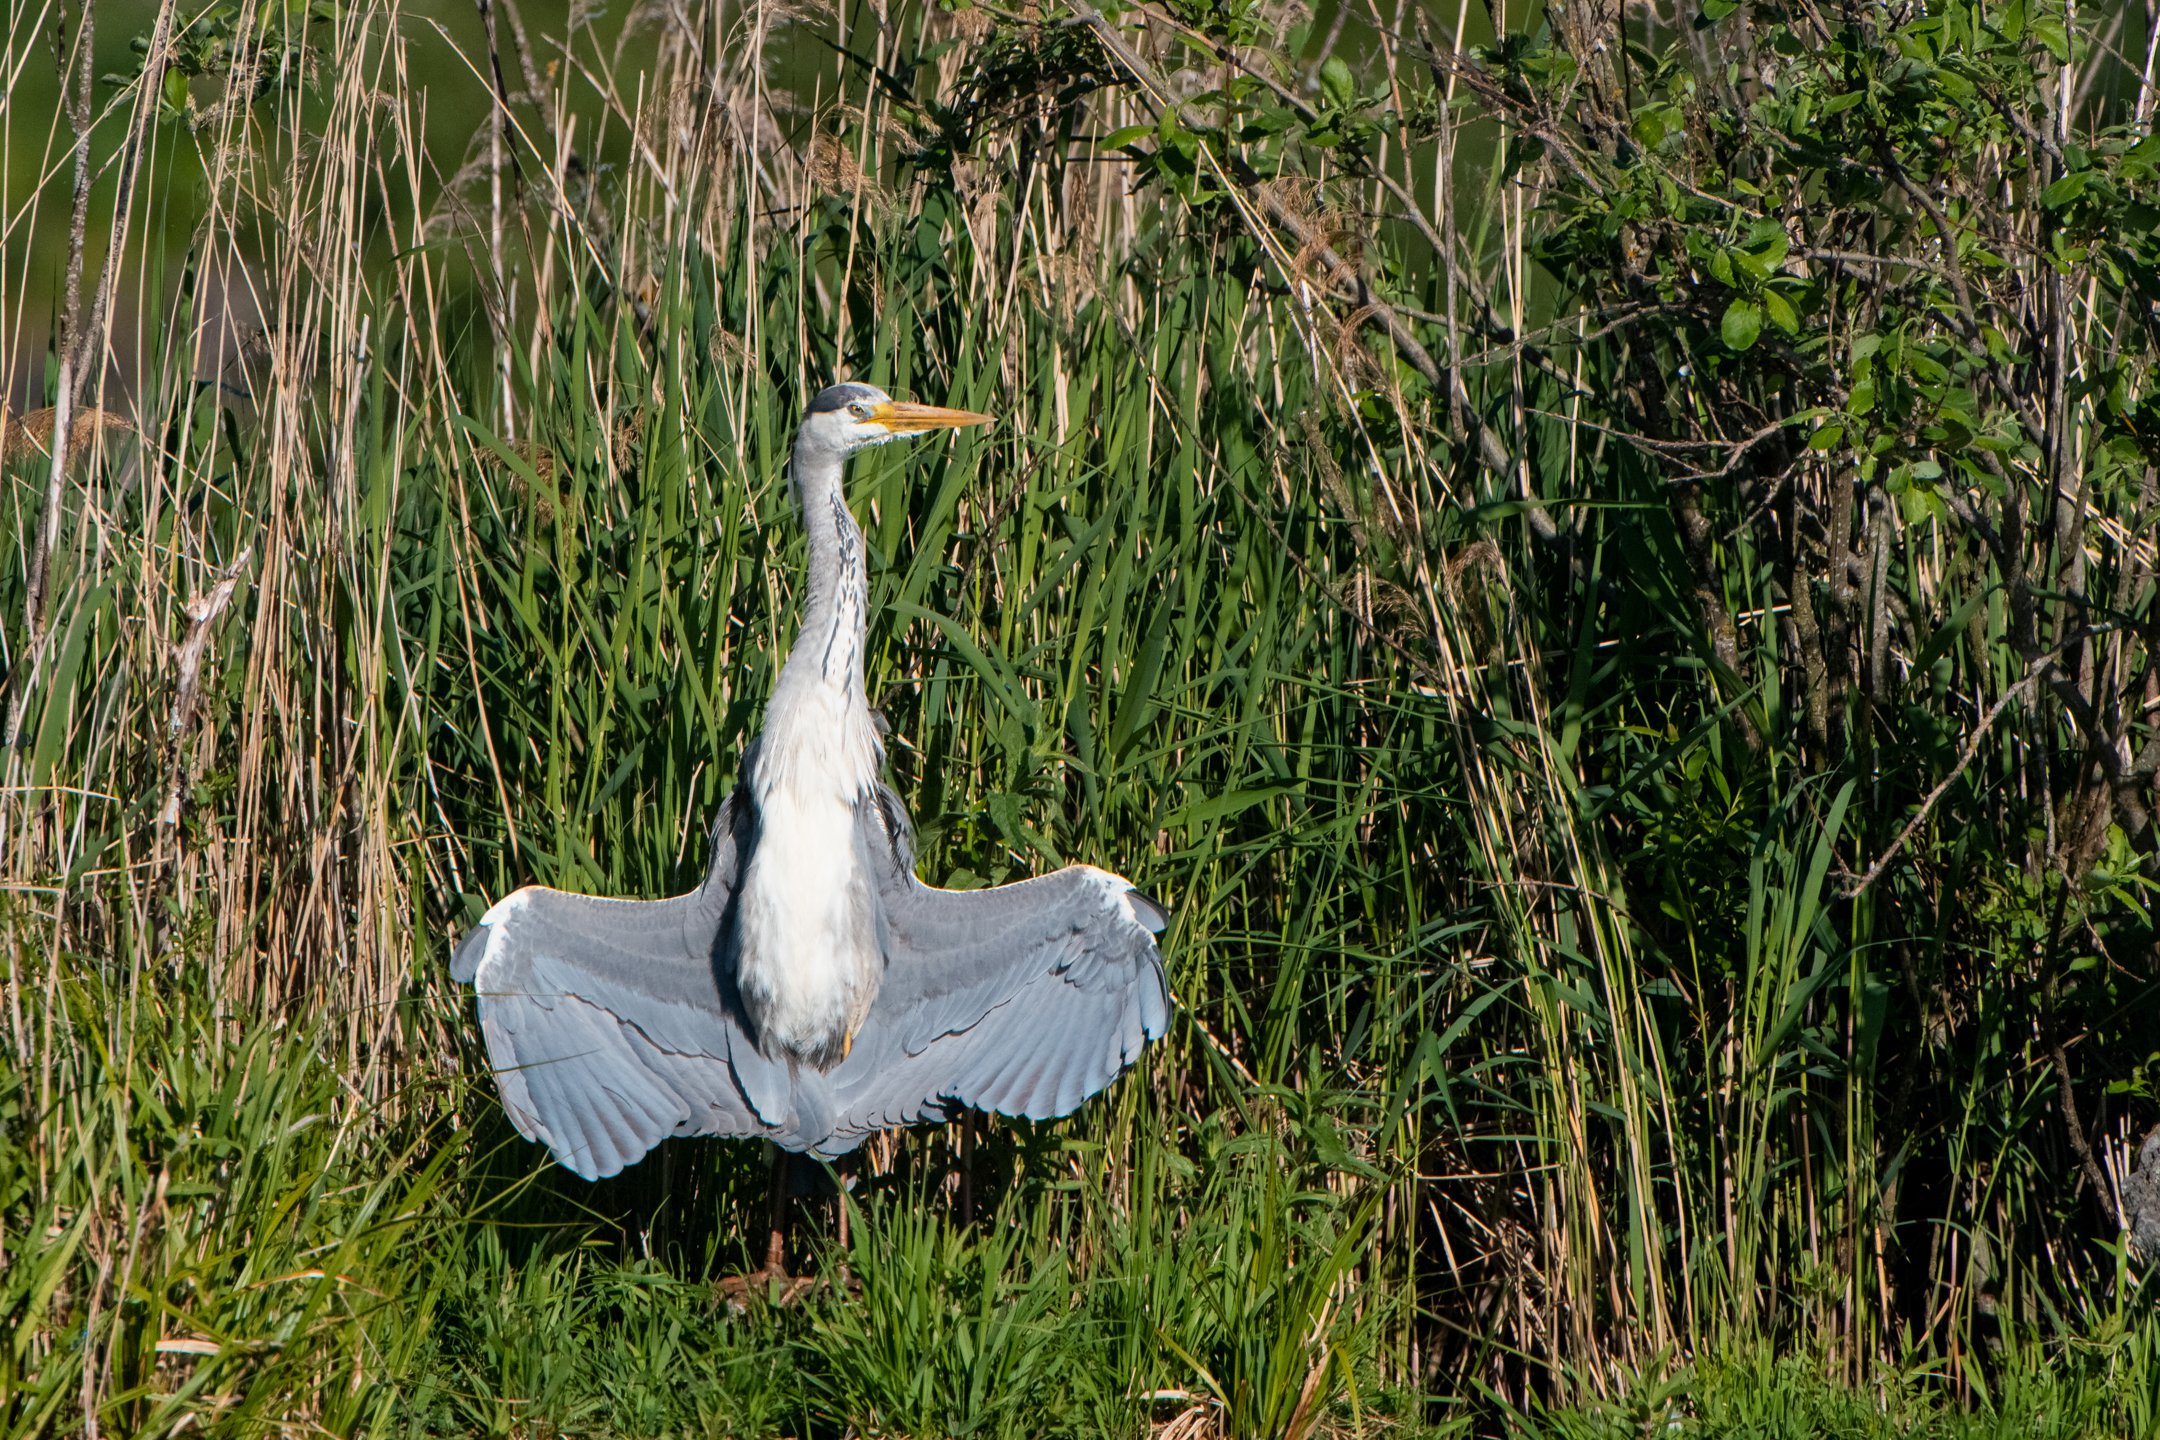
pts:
[812, 991]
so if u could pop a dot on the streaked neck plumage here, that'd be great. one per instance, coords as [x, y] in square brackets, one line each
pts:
[835, 600]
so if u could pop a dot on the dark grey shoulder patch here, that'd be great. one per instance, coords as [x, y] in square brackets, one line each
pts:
[833, 397]
[891, 817]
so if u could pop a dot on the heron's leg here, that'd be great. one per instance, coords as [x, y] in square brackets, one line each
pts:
[776, 1213]
[967, 1167]
[770, 1279]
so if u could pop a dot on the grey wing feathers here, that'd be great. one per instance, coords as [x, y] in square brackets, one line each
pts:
[606, 1021]
[1024, 1000]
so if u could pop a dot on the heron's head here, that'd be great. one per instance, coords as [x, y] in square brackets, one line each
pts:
[849, 417]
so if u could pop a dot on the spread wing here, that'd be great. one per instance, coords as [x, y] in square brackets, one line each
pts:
[1025, 999]
[614, 1024]
[611, 1026]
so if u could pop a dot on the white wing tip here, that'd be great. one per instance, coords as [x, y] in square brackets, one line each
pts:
[1140, 910]
[496, 922]
[506, 907]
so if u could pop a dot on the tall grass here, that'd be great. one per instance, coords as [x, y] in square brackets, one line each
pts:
[1525, 1049]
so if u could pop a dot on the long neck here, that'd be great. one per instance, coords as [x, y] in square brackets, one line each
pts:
[829, 645]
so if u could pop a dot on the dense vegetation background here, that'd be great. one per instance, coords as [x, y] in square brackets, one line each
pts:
[1600, 560]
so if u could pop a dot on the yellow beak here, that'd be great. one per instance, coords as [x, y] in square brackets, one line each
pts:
[902, 418]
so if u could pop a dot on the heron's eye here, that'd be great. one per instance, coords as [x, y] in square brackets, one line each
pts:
[860, 410]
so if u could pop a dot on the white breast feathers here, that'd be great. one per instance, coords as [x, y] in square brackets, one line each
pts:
[807, 924]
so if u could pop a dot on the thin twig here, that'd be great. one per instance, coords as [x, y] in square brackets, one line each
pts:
[1927, 806]
[202, 613]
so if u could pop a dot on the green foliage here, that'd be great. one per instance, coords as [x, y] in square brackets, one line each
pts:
[1755, 1395]
[188, 1230]
[277, 53]
[1266, 1311]
[951, 1334]
[1865, 518]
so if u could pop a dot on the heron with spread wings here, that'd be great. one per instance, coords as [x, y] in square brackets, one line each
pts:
[812, 991]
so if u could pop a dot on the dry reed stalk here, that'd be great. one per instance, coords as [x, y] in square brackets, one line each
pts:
[61, 431]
